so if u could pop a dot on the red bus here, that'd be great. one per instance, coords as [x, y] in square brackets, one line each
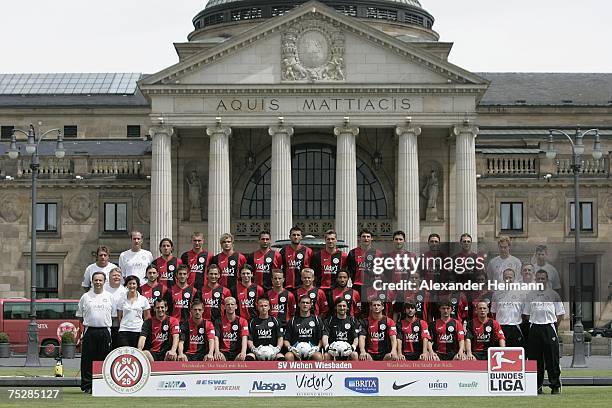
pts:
[53, 316]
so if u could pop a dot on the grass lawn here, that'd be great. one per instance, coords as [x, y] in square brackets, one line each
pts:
[572, 397]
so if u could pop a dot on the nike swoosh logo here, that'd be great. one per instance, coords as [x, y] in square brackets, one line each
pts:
[399, 387]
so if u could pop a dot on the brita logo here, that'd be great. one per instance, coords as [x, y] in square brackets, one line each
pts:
[362, 385]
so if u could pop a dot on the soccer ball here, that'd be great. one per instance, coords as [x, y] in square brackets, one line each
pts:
[266, 353]
[340, 349]
[305, 349]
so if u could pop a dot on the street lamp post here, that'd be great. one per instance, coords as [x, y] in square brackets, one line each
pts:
[578, 359]
[32, 358]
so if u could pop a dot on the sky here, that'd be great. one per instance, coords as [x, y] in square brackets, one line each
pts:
[138, 35]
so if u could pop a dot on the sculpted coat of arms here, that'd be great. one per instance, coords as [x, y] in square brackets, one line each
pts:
[312, 50]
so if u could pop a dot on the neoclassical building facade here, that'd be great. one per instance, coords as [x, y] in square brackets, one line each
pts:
[326, 114]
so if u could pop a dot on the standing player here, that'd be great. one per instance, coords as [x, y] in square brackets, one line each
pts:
[101, 265]
[135, 260]
[378, 335]
[545, 310]
[282, 301]
[328, 261]
[197, 260]
[213, 294]
[265, 260]
[350, 295]
[447, 335]
[167, 263]
[503, 261]
[400, 272]
[232, 333]
[541, 262]
[247, 293]
[360, 260]
[230, 262]
[319, 304]
[303, 327]
[470, 261]
[153, 289]
[159, 337]
[197, 337]
[341, 327]
[95, 313]
[413, 336]
[295, 257]
[181, 295]
[433, 260]
[507, 307]
[264, 330]
[481, 333]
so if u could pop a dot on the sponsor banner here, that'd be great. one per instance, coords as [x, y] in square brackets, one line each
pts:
[127, 372]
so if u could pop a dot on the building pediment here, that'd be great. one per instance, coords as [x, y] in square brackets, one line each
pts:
[312, 46]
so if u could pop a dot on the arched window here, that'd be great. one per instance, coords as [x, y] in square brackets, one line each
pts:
[313, 179]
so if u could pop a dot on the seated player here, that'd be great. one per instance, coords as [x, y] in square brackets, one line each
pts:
[264, 330]
[304, 328]
[412, 335]
[159, 336]
[213, 294]
[232, 333]
[247, 292]
[447, 335]
[197, 338]
[481, 333]
[378, 336]
[282, 301]
[341, 290]
[319, 305]
[340, 327]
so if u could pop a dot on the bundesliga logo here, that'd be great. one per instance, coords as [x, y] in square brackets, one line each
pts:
[506, 369]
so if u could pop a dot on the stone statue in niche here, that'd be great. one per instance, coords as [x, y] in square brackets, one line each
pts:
[194, 185]
[430, 193]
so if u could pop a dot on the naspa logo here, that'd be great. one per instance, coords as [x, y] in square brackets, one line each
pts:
[362, 385]
[171, 385]
[260, 387]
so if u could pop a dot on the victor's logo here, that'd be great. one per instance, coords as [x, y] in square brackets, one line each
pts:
[126, 370]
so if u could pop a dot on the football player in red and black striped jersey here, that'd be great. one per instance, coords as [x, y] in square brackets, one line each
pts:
[447, 335]
[282, 301]
[412, 335]
[197, 259]
[378, 335]
[360, 261]
[350, 295]
[319, 304]
[264, 260]
[230, 262]
[482, 332]
[197, 337]
[232, 333]
[328, 262]
[159, 336]
[167, 264]
[295, 257]
[154, 289]
[247, 293]
[213, 294]
[181, 295]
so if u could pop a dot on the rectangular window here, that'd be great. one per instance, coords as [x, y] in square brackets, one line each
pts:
[115, 217]
[586, 216]
[46, 281]
[133, 130]
[511, 216]
[16, 310]
[46, 217]
[6, 132]
[70, 131]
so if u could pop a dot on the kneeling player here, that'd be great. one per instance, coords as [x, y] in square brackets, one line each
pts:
[303, 334]
[233, 333]
[197, 339]
[378, 336]
[413, 335]
[341, 333]
[265, 334]
[159, 336]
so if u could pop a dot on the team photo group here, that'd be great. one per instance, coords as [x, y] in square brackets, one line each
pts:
[297, 303]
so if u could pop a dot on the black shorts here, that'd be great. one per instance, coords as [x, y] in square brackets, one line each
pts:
[195, 357]
[446, 356]
[412, 356]
[480, 355]
[229, 356]
[378, 356]
[158, 355]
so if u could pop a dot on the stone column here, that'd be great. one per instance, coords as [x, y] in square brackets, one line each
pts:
[408, 213]
[465, 164]
[161, 186]
[219, 204]
[346, 183]
[281, 199]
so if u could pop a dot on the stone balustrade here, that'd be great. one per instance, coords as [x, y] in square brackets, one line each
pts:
[70, 167]
[590, 166]
[510, 165]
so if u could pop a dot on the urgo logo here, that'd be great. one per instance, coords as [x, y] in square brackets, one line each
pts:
[267, 388]
[362, 385]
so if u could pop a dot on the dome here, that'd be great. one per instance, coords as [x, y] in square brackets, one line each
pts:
[399, 12]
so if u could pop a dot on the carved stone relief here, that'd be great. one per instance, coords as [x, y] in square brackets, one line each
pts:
[312, 50]
[484, 207]
[143, 206]
[10, 208]
[546, 207]
[80, 207]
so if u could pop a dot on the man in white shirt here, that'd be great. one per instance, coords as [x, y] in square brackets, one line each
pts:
[102, 264]
[135, 260]
[545, 311]
[503, 261]
[95, 311]
[507, 308]
[118, 291]
[541, 262]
